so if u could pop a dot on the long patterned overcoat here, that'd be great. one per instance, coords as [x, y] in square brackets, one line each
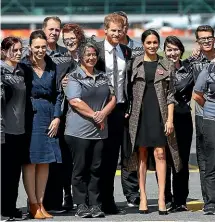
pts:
[164, 88]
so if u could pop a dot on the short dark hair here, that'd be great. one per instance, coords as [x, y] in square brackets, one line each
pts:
[37, 34]
[148, 32]
[55, 18]
[204, 28]
[174, 41]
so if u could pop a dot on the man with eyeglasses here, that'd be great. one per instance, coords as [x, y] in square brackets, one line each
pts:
[205, 39]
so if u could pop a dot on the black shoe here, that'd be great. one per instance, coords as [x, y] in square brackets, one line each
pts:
[68, 203]
[16, 214]
[162, 212]
[170, 207]
[58, 210]
[96, 211]
[180, 208]
[144, 211]
[209, 211]
[133, 202]
[83, 211]
[113, 209]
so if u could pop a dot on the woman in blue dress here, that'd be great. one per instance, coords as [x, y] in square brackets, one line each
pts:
[43, 110]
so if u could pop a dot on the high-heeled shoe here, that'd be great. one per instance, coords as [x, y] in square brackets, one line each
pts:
[162, 212]
[44, 212]
[35, 211]
[144, 211]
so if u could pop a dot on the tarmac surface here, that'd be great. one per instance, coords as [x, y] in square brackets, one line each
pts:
[194, 201]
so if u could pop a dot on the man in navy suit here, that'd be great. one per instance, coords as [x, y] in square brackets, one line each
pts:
[114, 59]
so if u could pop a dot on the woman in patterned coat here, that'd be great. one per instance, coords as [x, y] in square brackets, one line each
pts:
[151, 127]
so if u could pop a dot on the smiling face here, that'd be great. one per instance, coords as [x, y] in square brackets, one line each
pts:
[151, 44]
[206, 41]
[89, 59]
[70, 40]
[113, 33]
[38, 48]
[52, 31]
[172, 52]
[14, 53]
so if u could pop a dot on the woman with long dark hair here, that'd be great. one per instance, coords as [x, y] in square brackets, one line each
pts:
[151, 126]
[174, 49]
[43, 110]
[12, 124]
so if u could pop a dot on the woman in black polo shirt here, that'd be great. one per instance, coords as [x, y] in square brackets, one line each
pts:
[90, 100]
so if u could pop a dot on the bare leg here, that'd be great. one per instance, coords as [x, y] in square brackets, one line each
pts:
[28, 174]
[42, 172]
[143, 154]
[160, 159]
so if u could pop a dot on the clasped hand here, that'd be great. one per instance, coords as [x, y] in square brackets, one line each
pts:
[99, 117]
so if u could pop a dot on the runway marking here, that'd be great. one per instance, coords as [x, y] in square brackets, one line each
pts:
[118, 172]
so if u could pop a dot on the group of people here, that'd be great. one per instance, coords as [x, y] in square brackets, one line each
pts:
[67, 113]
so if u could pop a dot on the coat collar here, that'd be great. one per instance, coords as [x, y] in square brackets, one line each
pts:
[162, 70]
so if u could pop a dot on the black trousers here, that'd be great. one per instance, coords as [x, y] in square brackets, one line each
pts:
[11, 161]
[200, 153]
[209, 138]
[111, 153]
[53, 197]
[86, 175]
[180, 181]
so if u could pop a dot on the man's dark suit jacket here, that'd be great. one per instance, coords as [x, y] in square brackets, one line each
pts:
[127, 55]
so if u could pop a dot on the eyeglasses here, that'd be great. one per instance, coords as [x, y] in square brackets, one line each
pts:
[69, 41]
[205, 39]
[88, 55]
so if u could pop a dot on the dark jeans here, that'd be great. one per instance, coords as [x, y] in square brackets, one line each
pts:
[11, 161]
[111, 153]
[209, 138]
[200, 152]
[180, 181]
[86, 175]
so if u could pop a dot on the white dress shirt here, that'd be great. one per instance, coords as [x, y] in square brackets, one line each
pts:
[121, 67]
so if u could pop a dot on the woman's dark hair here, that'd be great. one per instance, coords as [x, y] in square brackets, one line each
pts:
[89, 43]
[148, 32]
[37, 34]
[7, 43]
[174, 41]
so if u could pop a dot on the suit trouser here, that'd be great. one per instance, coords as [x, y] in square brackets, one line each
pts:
[209, 138]
[111, 152]
[86, 175]
[180, 181]
[200, 152]
[129, 179]
[11, 160]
